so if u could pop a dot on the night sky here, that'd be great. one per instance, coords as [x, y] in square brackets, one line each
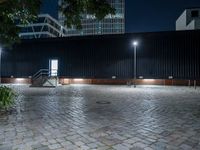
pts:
[155, 15]
[144, 15]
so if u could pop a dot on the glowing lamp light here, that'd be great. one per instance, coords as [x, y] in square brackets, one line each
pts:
[141, 77]
[114, 77]
[149, 80]
[78, 80]
[135, 43]
[19, 79]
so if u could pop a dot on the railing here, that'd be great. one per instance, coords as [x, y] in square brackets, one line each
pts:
[40, 73]
[44, 74]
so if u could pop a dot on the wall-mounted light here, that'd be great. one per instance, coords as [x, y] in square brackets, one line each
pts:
[78, 80]
[114, 77]
[149, 80]
[141, 77]
[19, 79]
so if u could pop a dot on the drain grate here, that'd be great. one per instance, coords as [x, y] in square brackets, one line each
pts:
[103, 102]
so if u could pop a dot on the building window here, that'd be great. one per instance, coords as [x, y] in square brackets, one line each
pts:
[195, 13]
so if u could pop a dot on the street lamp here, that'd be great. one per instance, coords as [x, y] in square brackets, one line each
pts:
[135, 44]
[0, 63]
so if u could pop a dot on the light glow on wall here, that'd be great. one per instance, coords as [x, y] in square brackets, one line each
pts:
[66, 80]
[19, 79]
[78, 80]
[141, 77]
[149, 80]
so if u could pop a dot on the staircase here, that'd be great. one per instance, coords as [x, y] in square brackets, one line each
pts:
[43, 78]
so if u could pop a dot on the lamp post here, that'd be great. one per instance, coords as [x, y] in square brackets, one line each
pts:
[135, 44]
[0, 63]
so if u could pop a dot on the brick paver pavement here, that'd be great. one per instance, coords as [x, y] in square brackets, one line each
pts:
[68, 118]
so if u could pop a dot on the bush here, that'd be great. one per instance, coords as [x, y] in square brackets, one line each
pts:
[7, 97]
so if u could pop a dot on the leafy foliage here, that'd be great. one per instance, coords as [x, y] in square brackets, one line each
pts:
[74, 9]
[22, 11]
[25, 11]
[7, 96]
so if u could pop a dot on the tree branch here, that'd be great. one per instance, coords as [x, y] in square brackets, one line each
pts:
[2, 1]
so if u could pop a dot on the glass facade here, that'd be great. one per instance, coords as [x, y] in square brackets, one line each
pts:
[112, 24]
[44, 27]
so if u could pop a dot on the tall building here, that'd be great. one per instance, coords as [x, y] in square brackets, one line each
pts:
[189, 20]
[44, 27]
[47, 25]
[112, 24]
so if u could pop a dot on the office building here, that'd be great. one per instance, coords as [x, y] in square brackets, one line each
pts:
[44, 27]
[112, 24]
[189, 20]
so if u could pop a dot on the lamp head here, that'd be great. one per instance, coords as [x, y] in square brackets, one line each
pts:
[135, 43]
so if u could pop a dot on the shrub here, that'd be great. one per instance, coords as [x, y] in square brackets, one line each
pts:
[7, 96]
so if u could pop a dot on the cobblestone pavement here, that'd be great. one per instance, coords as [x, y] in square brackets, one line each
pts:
[68, 118]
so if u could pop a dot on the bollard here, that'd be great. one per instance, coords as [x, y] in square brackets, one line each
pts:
[195, 84]
[189, 83]
[129, 83]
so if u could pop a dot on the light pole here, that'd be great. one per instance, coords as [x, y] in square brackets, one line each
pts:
[0, 63]
[135, 44]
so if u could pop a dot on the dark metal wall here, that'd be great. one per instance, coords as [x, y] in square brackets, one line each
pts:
[159, 55]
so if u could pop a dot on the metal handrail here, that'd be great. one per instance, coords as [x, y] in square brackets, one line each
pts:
[40, 73]
[44, 75]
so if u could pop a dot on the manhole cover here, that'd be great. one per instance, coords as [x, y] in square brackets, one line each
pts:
[103, 102]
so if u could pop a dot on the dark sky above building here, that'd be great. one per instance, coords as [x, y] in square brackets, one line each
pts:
[155, 15]
[50, 7]
[143, 15]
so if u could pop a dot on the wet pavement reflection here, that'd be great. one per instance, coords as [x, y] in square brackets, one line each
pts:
[69, 118]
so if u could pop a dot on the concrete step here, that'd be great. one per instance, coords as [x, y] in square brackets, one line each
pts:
[45, 82]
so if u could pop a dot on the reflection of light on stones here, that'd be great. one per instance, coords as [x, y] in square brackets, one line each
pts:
[77, 105]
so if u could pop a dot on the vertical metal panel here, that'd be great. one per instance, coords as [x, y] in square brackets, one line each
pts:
[159, 56]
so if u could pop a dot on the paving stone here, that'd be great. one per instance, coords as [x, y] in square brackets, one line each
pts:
[120, 147]
[185, 147]
[54, 146]
[68, 117]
